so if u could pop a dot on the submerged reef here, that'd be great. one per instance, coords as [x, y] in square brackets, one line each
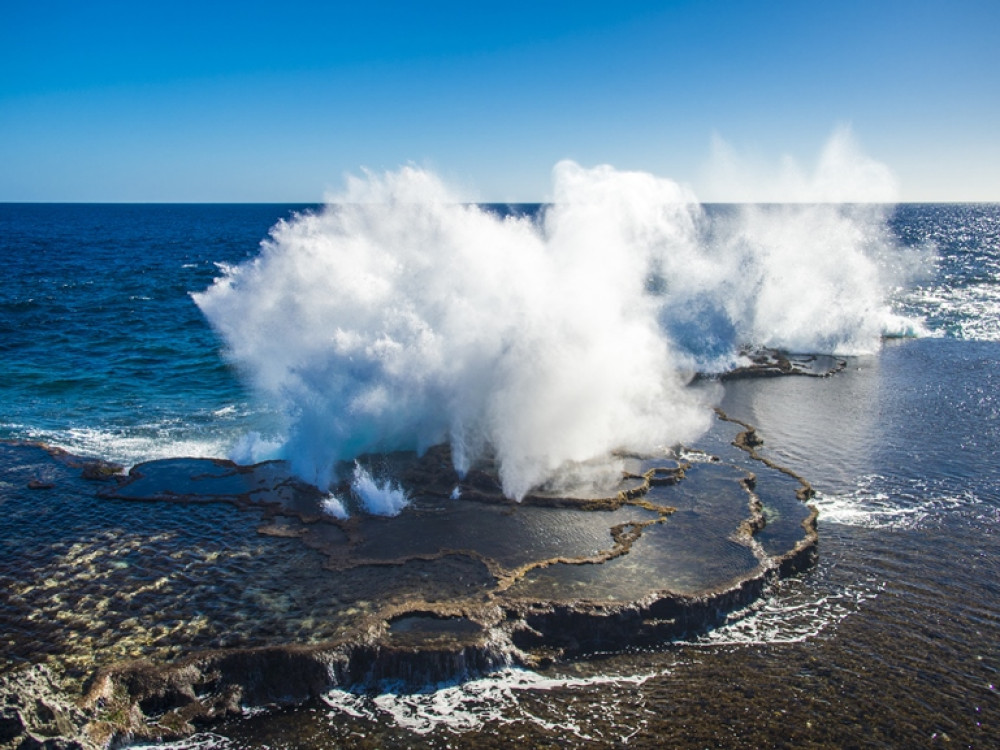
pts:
[148, 604]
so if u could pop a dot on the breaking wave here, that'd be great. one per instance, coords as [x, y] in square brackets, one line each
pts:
[468, 706]
[876, 504]
[397, 317]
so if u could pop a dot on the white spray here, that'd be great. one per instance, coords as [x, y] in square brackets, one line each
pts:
[397, 317]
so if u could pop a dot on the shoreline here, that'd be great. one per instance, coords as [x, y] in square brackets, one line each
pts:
[421, 640]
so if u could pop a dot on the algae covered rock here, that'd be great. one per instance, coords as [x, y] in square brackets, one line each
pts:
[35, 713]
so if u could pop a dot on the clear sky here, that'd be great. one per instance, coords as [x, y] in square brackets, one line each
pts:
[276, 101]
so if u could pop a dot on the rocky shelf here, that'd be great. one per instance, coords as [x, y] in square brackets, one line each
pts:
[148, 604]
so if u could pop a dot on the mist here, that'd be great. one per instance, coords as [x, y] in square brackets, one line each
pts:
[397, 317]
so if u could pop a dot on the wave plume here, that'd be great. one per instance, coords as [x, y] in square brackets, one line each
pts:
[397, 317]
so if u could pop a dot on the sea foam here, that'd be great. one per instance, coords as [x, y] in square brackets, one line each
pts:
[398, 317]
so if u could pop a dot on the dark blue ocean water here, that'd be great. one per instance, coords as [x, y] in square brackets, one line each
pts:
[105, 353]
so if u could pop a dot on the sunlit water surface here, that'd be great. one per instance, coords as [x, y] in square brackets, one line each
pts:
[892, 640]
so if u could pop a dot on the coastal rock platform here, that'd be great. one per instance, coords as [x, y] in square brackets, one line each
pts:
[191, 589]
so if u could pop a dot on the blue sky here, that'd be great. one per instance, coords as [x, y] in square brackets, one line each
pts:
[252, 101]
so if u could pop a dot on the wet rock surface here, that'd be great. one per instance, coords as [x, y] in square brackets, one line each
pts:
[765, 363]
[35, 712]
[192, 589]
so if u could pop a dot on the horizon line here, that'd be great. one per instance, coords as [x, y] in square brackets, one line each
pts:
[486, 203]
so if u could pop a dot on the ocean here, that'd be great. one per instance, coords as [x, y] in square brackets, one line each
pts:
[131, 333]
